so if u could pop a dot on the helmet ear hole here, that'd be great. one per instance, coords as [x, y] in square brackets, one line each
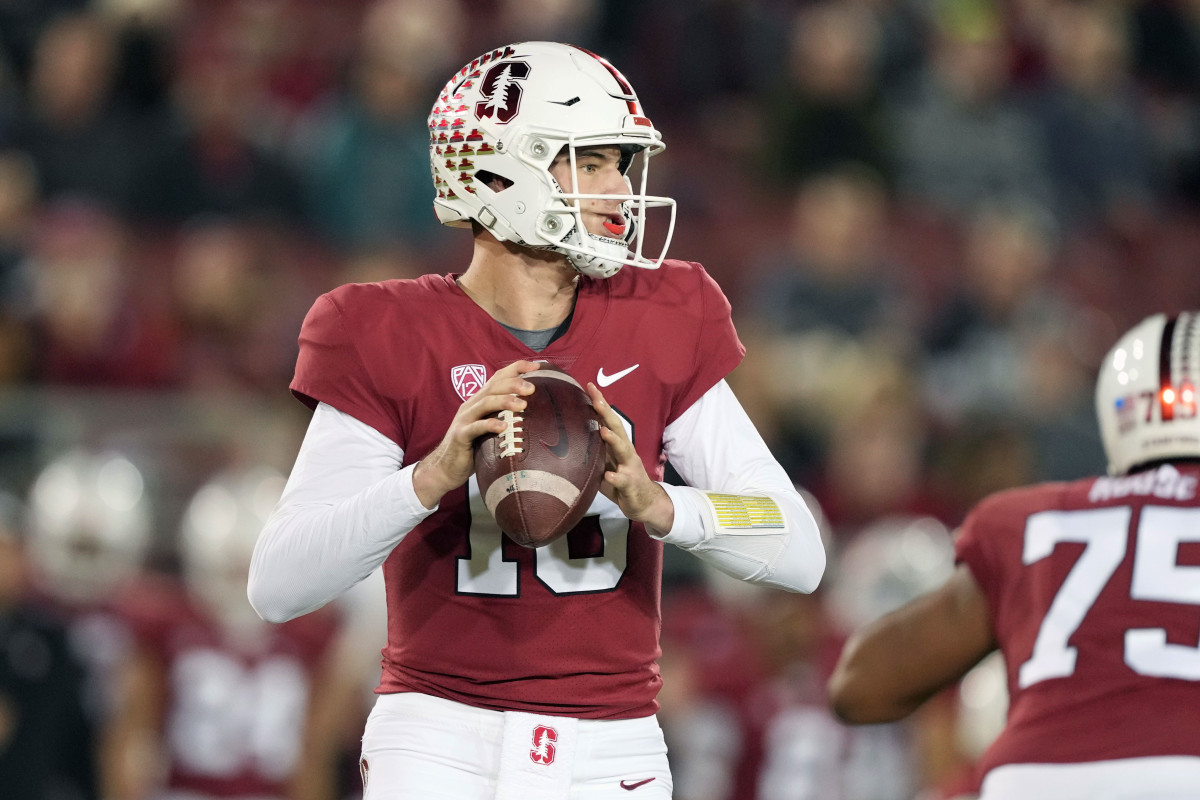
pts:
[497, 183]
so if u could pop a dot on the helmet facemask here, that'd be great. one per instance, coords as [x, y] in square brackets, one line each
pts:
[597, 255]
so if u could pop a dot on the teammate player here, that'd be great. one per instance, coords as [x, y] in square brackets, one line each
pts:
[216, 703]
[511, 672]
[1090, 590]
[90, 528]
[47, 737]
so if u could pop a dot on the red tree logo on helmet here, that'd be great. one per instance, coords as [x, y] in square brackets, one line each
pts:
[501, 91]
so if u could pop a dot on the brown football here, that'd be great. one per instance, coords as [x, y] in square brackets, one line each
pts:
[539, 477]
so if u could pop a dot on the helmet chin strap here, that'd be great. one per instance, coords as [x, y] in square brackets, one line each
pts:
[605, 256]
[596, 265]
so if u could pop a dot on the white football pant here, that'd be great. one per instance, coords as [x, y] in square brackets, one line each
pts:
[1151, 778]
[418, 747]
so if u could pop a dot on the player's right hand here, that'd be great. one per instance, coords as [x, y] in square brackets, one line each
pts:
[450, 463]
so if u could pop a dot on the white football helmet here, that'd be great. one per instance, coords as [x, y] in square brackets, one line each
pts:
[890, 562]
[220, 526]
[89, 525]
[507, 115]
[1146, 393]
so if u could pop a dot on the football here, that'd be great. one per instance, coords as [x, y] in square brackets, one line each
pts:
[539, 477]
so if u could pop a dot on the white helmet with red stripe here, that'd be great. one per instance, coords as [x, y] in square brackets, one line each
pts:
[1146, 393]
[506, 115]
[895, 559]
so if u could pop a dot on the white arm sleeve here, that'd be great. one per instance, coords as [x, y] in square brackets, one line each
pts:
[347, 504]
[749, 521]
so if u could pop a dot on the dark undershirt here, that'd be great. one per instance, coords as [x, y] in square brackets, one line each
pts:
[540, 340]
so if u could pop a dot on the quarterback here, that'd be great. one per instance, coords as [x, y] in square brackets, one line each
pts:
[512, 672]
[1089, 589]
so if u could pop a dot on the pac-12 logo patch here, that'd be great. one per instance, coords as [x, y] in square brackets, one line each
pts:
[468, 379]
[543, 745]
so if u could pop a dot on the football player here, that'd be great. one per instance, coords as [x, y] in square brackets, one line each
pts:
[512, 672]
[90, 522]
[216, 703]
[1089, 589]
[47, 740]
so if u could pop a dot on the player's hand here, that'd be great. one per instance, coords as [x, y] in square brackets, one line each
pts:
[626, 481]
[453, 460]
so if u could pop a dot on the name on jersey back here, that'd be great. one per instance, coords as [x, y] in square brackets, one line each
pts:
[1165, 483]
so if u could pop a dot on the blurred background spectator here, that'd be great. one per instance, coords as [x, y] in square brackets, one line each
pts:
[825, 109]
[828, 319]
[932, 218]
[961, 132]
[361, 153]
[1100, 152]
[92, 323]
[80, 139]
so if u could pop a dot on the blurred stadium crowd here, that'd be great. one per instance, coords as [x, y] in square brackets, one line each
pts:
[932, 218]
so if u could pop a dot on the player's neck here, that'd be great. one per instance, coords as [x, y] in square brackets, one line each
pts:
[523, 288]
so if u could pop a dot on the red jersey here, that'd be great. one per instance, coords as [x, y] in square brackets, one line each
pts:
[235, 709]
[1094, 592]
[570, 628]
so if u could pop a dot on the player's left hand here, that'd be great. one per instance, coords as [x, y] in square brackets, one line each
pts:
[626, 481]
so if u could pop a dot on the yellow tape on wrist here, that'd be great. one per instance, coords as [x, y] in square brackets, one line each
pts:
[738, 511]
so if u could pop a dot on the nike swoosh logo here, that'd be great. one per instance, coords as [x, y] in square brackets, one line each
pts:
[631, 785]
[567, 103]
[608, 380]
[559, 448]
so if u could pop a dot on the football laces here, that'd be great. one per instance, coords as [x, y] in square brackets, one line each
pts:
[510, 437]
